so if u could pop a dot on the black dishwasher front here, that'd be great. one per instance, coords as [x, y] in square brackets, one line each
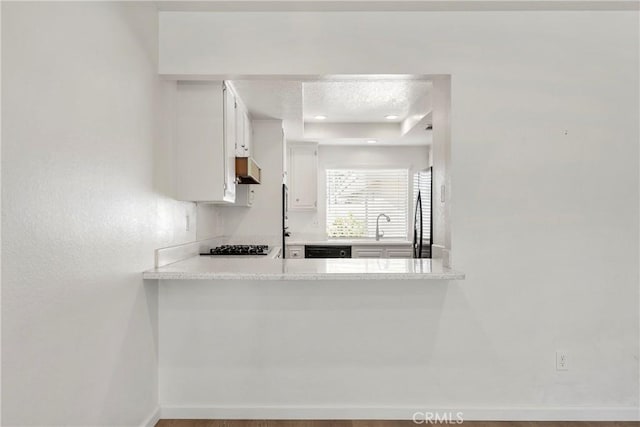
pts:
[327, 251]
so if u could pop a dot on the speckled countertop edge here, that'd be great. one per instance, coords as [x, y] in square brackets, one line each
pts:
[293, 276]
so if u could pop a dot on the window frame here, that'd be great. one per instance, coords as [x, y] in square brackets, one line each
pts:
[408, 207]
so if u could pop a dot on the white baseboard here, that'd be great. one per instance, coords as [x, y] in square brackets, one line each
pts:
[401, 413]
[152, 419]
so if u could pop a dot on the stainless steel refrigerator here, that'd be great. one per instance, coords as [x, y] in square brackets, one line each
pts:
[423, 214]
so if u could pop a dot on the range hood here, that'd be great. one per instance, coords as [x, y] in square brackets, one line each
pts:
[247, 171]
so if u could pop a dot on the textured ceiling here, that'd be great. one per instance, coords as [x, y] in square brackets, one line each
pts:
[354, 100]
[274, 99]
[366, 101]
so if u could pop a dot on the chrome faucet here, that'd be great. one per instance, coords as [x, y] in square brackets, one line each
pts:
[380, 234]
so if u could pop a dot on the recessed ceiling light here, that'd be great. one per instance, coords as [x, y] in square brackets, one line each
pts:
[320, 117]
[391, 117]
[371, 141]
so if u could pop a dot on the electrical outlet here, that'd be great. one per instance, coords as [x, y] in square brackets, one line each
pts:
[188, 222]
[562, 361]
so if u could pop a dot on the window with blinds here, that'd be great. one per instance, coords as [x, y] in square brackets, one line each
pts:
[355, 198]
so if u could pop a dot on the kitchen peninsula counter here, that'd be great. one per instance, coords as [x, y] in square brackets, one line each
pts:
[212, 268]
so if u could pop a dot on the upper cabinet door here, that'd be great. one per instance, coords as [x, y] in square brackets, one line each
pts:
[303, 177]
[248, 134]
[239, 150]
[243, 130]
[230, 141]
[203, 171]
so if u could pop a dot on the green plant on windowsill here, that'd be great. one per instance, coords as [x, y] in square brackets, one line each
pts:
[347, 226]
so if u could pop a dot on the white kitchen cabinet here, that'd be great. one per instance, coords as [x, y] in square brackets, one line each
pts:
[204, 143]
[381, 251]
[399, 253]
[239, 130]
[245, 195]
[229, 143]
[295, 251]
[248, 134]
[366, 252]
[244, 130]
[303, 177]
[285, 161]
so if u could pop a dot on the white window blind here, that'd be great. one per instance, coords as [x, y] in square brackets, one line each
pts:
[355, 198]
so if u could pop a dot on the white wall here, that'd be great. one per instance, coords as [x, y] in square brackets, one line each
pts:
[204, 220]
[544, 212]
[441, 161]
[262, 222]
[312, 225]
[83, 209]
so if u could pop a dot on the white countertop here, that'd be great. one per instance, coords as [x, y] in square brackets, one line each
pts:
[348, 242]
[211, 268]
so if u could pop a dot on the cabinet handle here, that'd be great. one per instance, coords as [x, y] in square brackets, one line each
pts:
[297, 200]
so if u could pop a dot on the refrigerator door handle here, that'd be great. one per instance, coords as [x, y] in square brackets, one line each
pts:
[417, 236]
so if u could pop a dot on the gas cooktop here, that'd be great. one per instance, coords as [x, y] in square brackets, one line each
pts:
[238, 250]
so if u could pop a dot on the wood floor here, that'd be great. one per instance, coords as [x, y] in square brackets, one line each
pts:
[304, 423]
